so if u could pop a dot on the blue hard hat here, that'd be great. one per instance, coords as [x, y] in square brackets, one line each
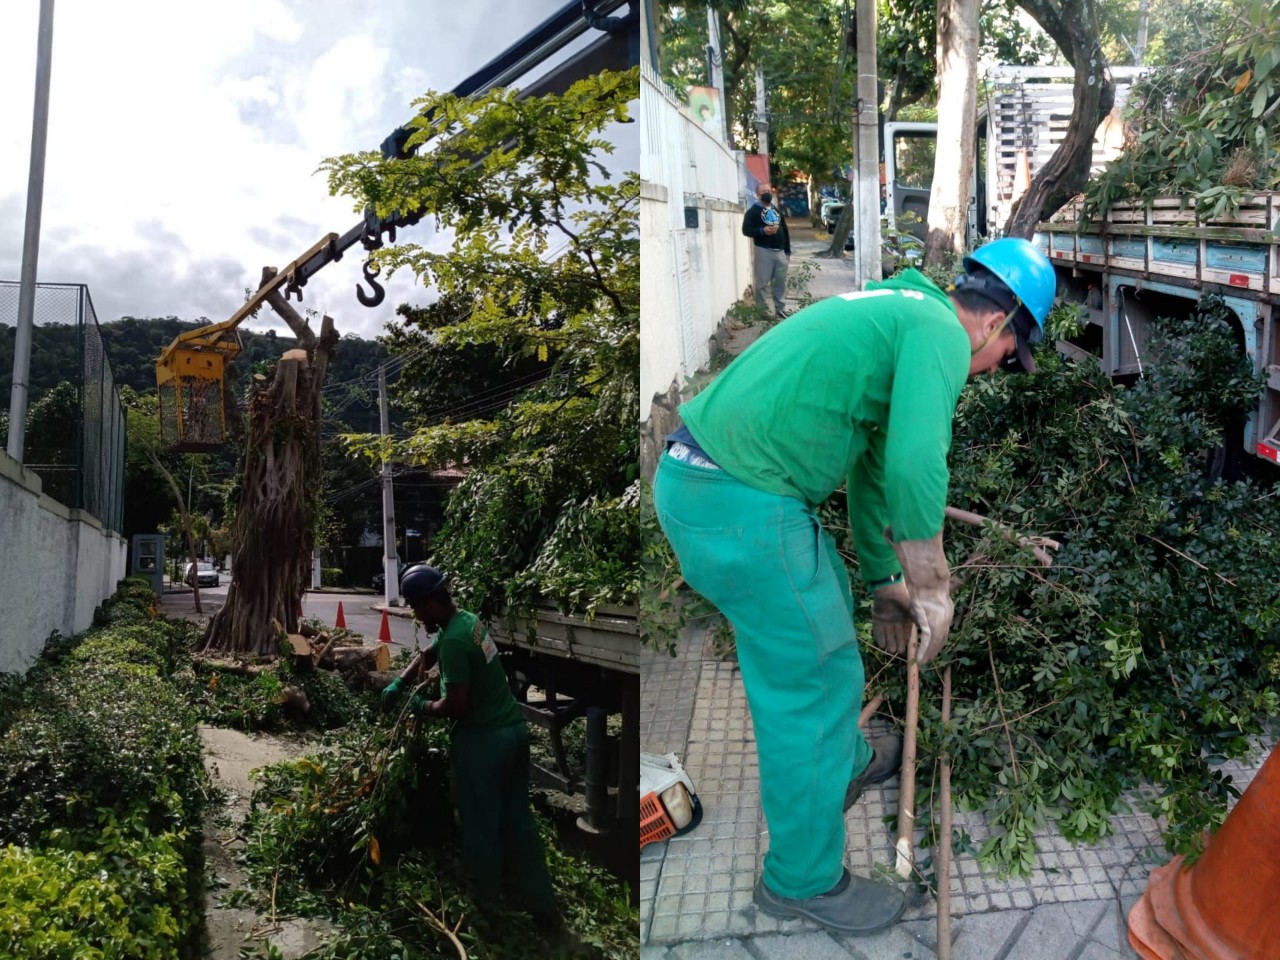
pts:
[1022, 267]
[420, 582]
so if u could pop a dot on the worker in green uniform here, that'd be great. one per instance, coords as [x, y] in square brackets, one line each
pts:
[858, 390]
[490, 745]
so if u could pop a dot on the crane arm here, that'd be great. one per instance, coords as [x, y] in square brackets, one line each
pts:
[619, 42]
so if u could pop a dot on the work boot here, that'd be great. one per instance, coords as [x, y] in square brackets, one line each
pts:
[886, 761]
[854, 907]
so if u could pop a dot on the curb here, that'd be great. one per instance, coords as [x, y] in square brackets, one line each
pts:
[403, 613]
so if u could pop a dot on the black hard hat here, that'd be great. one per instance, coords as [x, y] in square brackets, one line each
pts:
[420, 582]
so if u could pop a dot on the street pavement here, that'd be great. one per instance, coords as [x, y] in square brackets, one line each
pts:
[358, 610]
[696, 890]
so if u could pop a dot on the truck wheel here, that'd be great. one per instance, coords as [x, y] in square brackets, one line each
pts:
[1225, 462]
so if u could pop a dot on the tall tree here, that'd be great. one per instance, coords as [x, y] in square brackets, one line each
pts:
[957, 128]
[1073, 25]
[546, 261]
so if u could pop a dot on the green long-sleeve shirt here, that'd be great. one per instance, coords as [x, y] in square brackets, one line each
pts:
[858, 389]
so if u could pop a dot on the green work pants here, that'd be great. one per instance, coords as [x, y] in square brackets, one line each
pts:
[769, 567]
[499, 834]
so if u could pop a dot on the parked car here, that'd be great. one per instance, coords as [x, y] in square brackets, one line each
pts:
[206, 574]
[379, 578]
[830, 212]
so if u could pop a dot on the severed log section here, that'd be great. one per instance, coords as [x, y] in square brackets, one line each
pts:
[273, 536]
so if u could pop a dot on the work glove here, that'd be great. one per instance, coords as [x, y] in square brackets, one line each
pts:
[928, 580]
[891, 619]
[392, 691]
[417, 703]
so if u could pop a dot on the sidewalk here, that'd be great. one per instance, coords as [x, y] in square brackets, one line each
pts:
[696, 890]
[831, 277]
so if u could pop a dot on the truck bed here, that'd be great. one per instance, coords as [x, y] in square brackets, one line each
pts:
[1167, 248]
[1168, 240]
[610, 640]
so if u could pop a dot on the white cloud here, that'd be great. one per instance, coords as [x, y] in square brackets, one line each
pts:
[184, 138]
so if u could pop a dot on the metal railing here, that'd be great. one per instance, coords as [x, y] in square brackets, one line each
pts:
[75, 423]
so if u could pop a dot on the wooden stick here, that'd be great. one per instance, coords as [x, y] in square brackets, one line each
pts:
[1189, 559]
[907, 790]
[317, 656]
[870, 709]
[301, 329]
[440, 925]
[944, 841]
[1031, 543]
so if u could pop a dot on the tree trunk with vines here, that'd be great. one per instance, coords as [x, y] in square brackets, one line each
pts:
[274, 534]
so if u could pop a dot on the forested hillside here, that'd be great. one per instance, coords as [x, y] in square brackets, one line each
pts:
[133, 344]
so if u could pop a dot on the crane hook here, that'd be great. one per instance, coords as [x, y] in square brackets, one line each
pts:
[371, 271]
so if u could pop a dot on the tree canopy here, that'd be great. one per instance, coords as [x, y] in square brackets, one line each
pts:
[808, 55]
[544, 275]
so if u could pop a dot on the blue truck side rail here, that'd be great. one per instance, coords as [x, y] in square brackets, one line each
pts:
[1140, 260]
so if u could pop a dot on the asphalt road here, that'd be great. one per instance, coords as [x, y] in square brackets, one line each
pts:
[356, 608]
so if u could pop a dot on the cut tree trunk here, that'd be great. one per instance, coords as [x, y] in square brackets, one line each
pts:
[347, 658]
[273, 527]
[843, 225]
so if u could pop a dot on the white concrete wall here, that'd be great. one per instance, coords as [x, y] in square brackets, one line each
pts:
[689, 276]
[56, 566]
[659, 308]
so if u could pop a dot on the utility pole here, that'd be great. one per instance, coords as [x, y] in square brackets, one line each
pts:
[762, 119]
[31, 237]
[390, 568]
[866, 151]
[715, 68]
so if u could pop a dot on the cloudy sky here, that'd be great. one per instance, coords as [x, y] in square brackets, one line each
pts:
[183, 139]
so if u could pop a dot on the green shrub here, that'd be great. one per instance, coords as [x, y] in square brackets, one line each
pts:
[118, 892]
[94, 735]
[333, 703]
[133, 602]
[101, 782]
[332, 576]
[234, 700]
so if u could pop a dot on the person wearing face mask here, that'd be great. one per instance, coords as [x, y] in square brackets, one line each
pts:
[767, 228]
[858, 390]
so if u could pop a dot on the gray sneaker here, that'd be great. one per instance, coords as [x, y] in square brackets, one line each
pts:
[855, 906]
[886, 761]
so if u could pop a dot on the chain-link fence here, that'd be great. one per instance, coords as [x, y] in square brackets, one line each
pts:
[75, 438]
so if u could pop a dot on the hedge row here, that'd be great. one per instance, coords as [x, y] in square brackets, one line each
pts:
[101, 793]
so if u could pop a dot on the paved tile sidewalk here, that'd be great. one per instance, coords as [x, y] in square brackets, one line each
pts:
[696, 890]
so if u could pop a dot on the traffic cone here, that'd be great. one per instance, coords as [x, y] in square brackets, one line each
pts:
[1223, 907]
[384, 635]
[341, 622]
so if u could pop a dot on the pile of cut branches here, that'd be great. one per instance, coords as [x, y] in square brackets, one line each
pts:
[362, 831]
[1207, 126]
